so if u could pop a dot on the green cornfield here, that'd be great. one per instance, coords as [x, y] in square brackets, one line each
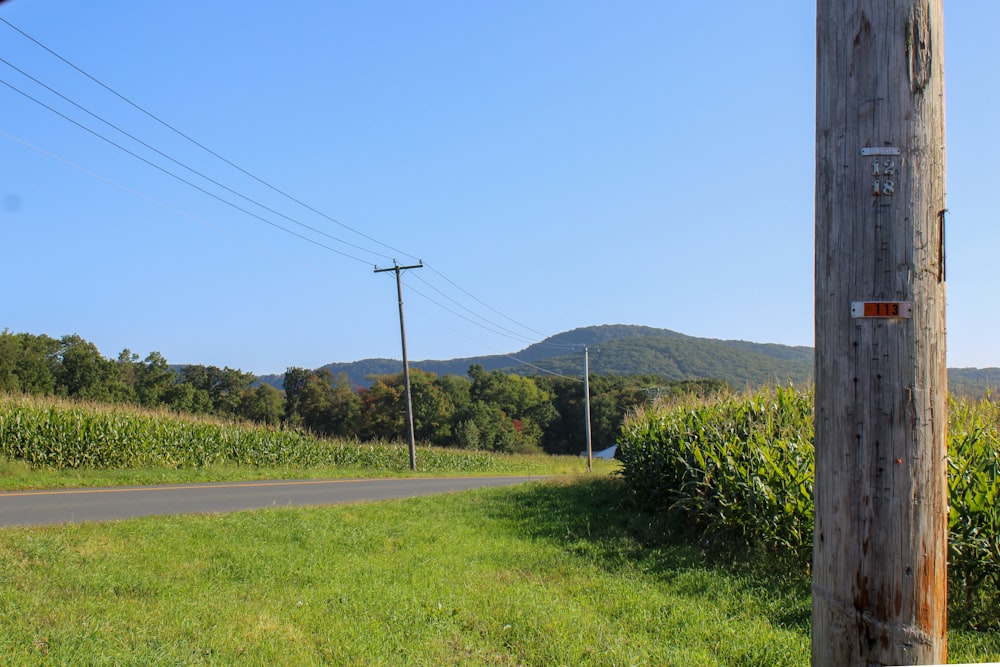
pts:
[66, 435]
[974, 498]
[739, 471]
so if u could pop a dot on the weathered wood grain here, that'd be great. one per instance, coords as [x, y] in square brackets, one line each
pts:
[879, 563]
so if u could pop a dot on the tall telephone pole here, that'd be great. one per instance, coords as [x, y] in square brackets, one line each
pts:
[406, 364]
[880, 542]
[586, 408]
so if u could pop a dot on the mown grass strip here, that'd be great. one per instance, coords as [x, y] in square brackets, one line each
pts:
[542, 574]
[483, 578]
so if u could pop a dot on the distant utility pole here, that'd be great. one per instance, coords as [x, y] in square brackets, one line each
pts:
[406, 364]
[880, 543]
[586, 408]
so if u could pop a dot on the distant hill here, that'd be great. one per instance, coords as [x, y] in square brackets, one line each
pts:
[974, 381]
[618, 350]
[621, 349]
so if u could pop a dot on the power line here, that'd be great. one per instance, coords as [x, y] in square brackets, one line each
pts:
[175, 161]
[496, 327]
[483, 303]
[197, 143]
[187, 215]
[180, 178]
[467, 319]
[514, 335]
[100, 177]
[543, 370]
[509, 356]
[124, 188]
[238, 168]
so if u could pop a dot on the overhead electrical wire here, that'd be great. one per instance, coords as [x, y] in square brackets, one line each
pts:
[109, 181]
[506, 355]
[512, 334]
[481, 302]
[460, 315]
[494, 328]
[197, 143]
[158, 167]
[172, 159]
[507, 317]
[124, 188]
[180, 178]
[235, 166]
[499, 354]
[543, 370]
[497, 330]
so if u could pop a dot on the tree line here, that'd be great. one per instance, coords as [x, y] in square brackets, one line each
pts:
[488, 410]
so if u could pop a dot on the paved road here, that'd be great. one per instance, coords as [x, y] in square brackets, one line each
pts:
[35, 508]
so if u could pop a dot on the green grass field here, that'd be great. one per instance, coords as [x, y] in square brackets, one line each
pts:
[566, 572]
[525, 576]
[17, 475]
[557, 573]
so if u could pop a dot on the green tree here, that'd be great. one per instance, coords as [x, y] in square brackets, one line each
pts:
[565, 434]
[295, 382]
[184, 397]
[383, 412]
[456, 390]
[316, 402]
[321, 403]
[467, 435]
[345, 417]
[28, 363]
[128, 374]
[510, 411]
[489, 423]
[612, 398]
[84, 373]
[263, 404]
[153, 380]
[224, 386]
[433, 410]
[433, 402]
[10, 352]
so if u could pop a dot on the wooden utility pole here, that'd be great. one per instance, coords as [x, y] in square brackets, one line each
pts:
[406, 364]
[586, 409]
[880, 544]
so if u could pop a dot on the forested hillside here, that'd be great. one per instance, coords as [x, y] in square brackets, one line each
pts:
[678, 357]
[636, 350]
[618, 350]
[973, 381]
[493, 403]
[479, 409]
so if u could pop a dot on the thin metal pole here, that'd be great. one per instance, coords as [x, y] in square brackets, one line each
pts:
[586, 408]
[406, 365]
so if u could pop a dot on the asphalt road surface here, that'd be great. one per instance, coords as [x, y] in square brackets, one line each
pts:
[57, 506]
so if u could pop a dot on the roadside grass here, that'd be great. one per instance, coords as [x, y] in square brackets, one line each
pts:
[544, 574]
[16, 475]
[556, 573]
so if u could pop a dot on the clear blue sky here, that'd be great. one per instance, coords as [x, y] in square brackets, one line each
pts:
[556, 164]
